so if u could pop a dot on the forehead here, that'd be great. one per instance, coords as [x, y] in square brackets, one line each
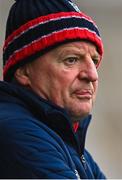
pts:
[78, 46]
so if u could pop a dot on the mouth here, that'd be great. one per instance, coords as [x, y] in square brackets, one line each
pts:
[84, 94]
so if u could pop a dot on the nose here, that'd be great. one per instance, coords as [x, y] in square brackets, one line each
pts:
[88, 71]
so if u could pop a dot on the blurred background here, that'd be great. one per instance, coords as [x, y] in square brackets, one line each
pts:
[104, 139]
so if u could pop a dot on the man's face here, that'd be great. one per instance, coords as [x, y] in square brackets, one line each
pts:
[68, 77]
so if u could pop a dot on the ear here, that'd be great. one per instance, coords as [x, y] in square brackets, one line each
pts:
[21, 75]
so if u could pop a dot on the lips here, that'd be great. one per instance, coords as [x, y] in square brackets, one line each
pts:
[84, 94]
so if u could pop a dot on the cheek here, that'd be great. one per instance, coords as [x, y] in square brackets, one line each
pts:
[95, 86]
[61, 77]
[60, 84]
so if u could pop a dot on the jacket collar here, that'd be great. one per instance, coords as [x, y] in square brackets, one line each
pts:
[53, 116]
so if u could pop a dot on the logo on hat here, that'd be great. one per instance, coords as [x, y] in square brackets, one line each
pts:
[74, 6]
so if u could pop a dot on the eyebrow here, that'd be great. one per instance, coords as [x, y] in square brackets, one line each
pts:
[76, 51]
[72, 50]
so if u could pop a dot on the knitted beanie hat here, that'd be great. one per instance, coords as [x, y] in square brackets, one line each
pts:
[36, 26]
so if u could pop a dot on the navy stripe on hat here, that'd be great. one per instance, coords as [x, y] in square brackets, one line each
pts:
[45, 29]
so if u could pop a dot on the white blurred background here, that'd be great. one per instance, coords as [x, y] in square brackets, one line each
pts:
[104, 139]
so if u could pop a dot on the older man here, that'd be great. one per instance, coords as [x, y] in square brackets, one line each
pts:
[51, 55]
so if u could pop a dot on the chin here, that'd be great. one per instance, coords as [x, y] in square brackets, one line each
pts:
[79, 111]
[79, 115]
[83, 109]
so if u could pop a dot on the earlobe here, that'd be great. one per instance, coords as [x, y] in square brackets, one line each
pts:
[21, 76]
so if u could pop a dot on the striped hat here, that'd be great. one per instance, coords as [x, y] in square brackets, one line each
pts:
[36, 26]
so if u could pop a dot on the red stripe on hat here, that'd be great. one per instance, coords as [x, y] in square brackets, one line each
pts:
[43, 19]
[50, 40]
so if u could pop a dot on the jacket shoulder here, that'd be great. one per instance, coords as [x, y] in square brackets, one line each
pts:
[30, 149]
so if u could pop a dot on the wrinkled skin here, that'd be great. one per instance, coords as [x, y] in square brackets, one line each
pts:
[67, 76]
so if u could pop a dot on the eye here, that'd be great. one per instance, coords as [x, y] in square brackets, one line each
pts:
[71, 60]
[96, 61]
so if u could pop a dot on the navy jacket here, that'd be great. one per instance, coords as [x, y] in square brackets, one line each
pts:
[37, 139]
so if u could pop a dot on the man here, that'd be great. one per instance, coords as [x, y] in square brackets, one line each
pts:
[51, 55]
